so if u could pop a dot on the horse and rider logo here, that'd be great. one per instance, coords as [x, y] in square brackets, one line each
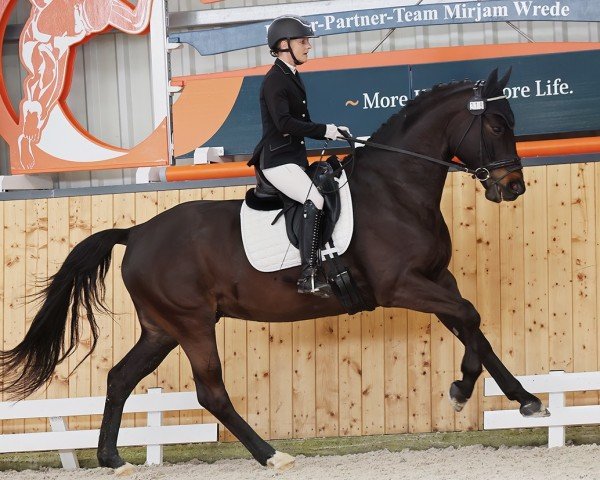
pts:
[44, 135]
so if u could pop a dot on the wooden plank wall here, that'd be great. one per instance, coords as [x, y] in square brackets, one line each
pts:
[529, 266]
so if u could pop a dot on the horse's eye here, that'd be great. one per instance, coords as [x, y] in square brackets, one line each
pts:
[498, 130]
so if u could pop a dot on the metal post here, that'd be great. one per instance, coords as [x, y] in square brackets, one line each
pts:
[160, 68]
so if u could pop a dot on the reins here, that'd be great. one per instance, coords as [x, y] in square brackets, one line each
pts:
[476, 106]
[381, 146]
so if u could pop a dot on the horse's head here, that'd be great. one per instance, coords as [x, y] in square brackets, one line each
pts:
[483, 138]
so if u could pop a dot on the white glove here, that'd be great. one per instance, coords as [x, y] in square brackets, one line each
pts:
[332, 132]
[346, 130]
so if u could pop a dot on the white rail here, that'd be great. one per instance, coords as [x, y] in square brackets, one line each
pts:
[154, 435]
[556, 384]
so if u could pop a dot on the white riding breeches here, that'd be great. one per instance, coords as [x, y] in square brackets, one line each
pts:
[293, 182]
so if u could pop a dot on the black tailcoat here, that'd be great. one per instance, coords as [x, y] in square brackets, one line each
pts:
[285, 119]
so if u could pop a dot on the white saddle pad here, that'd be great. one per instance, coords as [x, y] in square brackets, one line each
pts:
[267, 246]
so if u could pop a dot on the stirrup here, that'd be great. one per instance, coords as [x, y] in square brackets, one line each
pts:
[311, 284]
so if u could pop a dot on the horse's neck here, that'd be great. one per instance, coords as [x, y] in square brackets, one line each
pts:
[401, 177]
[413, 181]
[416, 180]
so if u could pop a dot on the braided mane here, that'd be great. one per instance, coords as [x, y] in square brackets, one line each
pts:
[401, 120]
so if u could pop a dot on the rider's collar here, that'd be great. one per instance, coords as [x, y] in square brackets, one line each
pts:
[291, 67]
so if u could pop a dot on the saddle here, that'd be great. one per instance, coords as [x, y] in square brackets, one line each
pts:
[267, 244]
[266, 197]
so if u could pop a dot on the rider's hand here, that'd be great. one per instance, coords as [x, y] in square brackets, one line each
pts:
[343, 132]
[332, 132]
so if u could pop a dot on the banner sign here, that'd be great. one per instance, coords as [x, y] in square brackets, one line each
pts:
[552, 95]
[219, 40]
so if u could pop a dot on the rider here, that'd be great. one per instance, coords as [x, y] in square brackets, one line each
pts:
[281, 153]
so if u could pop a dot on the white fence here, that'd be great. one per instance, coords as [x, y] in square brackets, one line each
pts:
[556, 384]
[154, 435]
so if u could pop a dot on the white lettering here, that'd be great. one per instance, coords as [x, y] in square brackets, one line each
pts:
[404, 15]
[371, 103]
[552, 88]
[329, 20]
[399, 14]
[556, 10]
[458, 11]
[452, 11]
[563, 89]
[523, 8]
[498, 11]
[379, 101]
[516, 92]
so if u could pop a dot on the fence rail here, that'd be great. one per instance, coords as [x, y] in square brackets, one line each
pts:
[154, 435]
[556, 384]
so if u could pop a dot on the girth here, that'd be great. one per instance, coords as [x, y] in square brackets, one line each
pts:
[323, 174]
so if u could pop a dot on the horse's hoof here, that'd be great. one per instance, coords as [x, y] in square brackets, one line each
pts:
[124, 470]
[534, 409]
[281, 461]
[457, 399]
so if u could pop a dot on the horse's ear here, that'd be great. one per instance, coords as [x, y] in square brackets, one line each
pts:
[492, 79]
[504, 80]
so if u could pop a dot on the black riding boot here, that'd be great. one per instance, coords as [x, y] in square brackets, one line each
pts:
[310, 240]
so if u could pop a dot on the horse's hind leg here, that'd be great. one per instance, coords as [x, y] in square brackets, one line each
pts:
[147, 354]
[212, 395]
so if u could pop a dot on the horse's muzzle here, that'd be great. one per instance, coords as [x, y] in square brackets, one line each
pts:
[509, 188]
[517, 187]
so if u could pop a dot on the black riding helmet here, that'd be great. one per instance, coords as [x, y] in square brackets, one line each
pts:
[286, 28]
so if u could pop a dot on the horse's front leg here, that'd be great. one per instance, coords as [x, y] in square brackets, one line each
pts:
[531, 406]
[443, 298]
[478, 351]
[470, 367]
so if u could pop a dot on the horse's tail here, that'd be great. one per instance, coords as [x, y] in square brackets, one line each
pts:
[78, 283]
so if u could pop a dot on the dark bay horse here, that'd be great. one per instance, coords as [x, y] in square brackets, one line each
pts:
[186, 267]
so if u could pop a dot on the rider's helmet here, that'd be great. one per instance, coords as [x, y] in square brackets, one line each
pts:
[287, 27]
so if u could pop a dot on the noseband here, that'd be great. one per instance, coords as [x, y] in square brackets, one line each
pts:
[477, 106]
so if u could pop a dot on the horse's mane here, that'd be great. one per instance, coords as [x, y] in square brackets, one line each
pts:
[401, 120]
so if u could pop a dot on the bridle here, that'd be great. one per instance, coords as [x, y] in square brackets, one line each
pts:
[477, 106]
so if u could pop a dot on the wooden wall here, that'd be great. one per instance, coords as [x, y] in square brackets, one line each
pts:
[529, 266]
